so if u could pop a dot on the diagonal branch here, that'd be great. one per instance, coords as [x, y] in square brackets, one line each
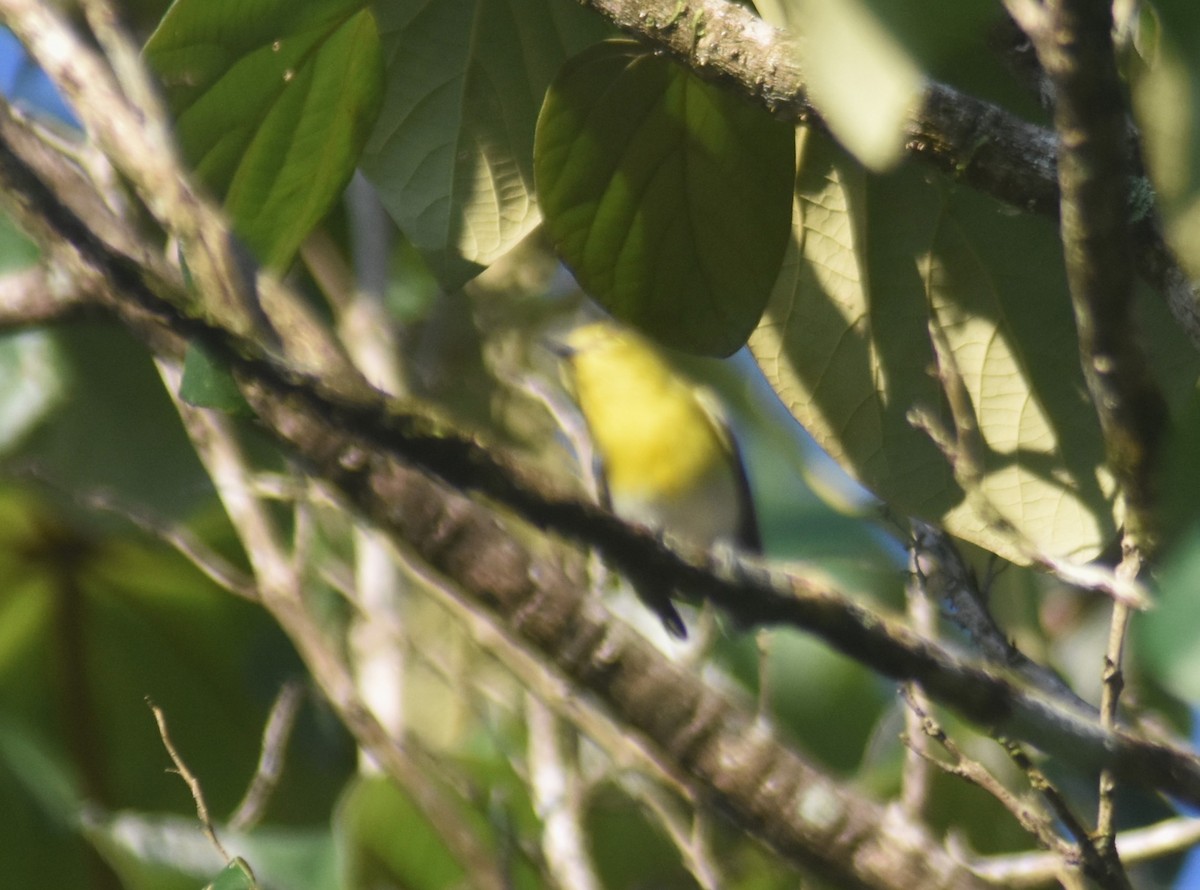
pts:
[366, 448]
[393, 464]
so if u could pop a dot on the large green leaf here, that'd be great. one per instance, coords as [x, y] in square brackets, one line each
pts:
[667, 196]
[452, 151]
[846, 343]
[273, 102]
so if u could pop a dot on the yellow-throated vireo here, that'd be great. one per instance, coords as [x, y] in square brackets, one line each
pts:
[667, 456]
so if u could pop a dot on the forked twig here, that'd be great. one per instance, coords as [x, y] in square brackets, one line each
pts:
[189, 777]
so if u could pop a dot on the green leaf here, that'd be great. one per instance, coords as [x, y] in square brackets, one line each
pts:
[31, 383]
[208, 384]
[846, 343]
[114, 401]
[452, 151]
[1167, 642]
[1166, 103]
[666, 195]
[235, 876]
[373, 855]
[273, 102]
[157, 851]
[865, 61]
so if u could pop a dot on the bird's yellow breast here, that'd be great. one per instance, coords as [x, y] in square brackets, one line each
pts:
[656, 439]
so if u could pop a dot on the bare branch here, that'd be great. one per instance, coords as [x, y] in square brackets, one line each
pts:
[361, 446]
[1028, 815]
[554, 783]
[1098, 863]
[188, 777]
[41, 295]
[1074, 44]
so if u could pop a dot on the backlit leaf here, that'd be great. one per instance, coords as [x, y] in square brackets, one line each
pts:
[667, 196]
[846, 343]
[452, 152]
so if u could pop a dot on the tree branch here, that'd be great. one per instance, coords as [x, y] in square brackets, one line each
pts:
[1073, 41]
[393, 464]
[361, 447]
[365, 446]
[976, 142]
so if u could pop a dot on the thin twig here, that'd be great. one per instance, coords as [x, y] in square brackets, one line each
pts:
[1028, 814]
[210, 563]
[271, 757]
[1138, 845]
[1113, 683]
[554, 783]
[188, 777]
[916, 776]
[950, 581]
[1099, 864]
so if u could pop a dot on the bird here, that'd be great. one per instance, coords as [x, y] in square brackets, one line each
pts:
[667, 457]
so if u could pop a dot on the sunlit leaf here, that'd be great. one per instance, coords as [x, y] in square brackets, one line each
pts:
[666, 195]
[865, 61]
[846, 343]
[273, 102]
[452, 152]
[31, 383]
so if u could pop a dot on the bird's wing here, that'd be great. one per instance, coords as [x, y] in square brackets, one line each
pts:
[748, 534]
